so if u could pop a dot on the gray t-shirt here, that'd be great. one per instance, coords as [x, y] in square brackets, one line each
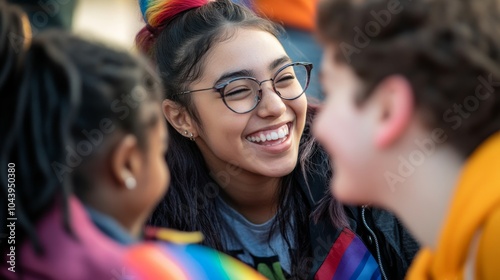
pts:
[250, 243]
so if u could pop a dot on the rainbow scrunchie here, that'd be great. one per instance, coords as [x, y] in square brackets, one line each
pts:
[156, 12]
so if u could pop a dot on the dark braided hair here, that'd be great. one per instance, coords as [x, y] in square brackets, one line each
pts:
[56, 90]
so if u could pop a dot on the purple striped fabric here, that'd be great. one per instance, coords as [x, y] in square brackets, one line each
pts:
[348, 259]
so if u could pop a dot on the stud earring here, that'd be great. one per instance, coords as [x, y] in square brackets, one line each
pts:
[191, 135]
[130, 183]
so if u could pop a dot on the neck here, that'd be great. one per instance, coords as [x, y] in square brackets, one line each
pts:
[108, 204]
[253, 196]
[424, 199]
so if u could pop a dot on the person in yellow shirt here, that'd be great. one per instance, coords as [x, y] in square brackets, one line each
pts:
[412, 119]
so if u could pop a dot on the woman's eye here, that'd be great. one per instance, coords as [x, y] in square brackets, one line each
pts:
[284, 79]
[237, 91]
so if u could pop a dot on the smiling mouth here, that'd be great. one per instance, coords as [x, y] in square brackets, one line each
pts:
[270, 137]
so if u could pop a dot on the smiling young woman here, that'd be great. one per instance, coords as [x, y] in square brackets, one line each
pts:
[245, 170]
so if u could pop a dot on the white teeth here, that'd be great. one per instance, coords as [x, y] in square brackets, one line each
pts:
[273, 135]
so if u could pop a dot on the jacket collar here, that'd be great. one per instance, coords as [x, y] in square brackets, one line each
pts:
[109, 227]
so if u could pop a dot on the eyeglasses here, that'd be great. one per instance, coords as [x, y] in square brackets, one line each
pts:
[243, 94]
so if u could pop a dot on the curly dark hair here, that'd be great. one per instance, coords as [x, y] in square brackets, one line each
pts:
[449, 50]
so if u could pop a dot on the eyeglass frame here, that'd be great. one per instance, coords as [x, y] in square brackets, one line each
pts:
[219, 87]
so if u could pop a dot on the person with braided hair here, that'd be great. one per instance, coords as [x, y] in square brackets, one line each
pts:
[77, 118]
[412, 121]
[45, 14]
[82, 146]
[246, 171]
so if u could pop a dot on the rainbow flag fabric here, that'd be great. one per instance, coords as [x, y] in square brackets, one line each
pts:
[170, 261]
[348, 259]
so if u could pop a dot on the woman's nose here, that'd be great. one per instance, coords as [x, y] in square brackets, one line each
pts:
[271, 104]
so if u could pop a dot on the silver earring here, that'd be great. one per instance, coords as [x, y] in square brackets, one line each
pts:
[130, 183]
[191, 136]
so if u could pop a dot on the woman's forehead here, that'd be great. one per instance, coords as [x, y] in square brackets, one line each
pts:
[248, 49]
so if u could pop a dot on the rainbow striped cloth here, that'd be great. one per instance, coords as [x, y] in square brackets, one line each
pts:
[162, 260]
[348, 259]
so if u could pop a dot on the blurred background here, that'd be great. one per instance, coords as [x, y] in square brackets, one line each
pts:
[116, 22]
[113, 21]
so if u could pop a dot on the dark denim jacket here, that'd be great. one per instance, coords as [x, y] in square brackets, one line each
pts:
[109, 227]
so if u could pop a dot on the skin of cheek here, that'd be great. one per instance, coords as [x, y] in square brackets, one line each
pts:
[157, 174]
[344, 132]
[222, 142]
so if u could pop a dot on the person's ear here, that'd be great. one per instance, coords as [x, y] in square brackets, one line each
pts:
[127, 159]
[179, 118]
[395, 100]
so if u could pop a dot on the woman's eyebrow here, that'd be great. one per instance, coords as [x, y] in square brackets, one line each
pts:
[235, 74]
[278, 62]
[250, 73]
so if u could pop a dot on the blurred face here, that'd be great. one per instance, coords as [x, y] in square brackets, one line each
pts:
[345, 130]
[155, 178]
[262, 142]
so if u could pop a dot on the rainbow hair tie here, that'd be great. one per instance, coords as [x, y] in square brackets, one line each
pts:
[157, 12]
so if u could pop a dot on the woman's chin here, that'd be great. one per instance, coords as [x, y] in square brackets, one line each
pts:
[275, 171]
